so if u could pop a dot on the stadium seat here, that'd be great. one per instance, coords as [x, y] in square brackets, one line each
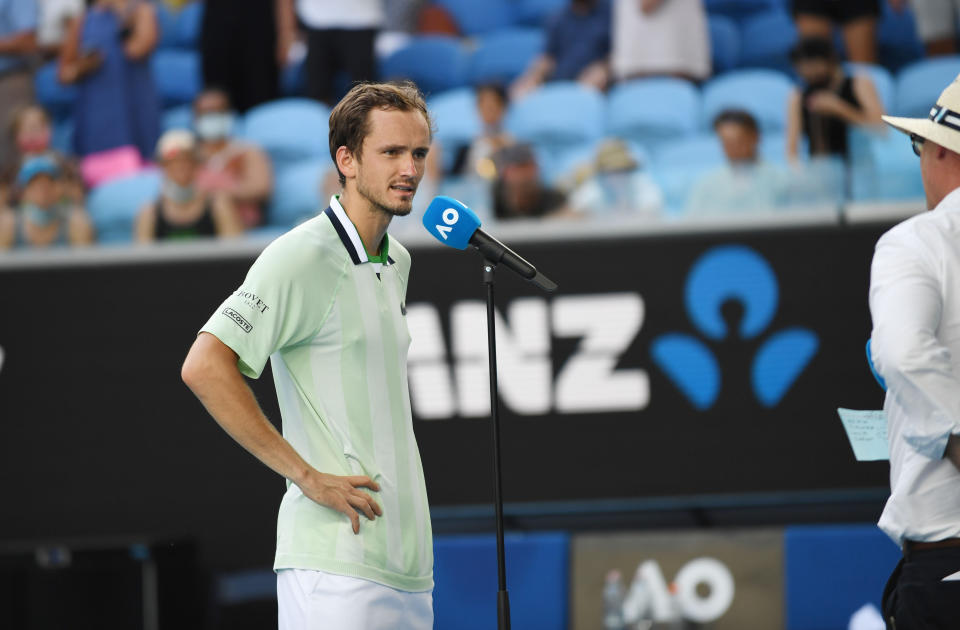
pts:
[177, 75]
[883, 167]
[167, 25]
[919, 84]
[738, 9]
[55, 97]
[179, 117]
[882, 81]
[649, 111]
[188, 24]
[502, 56]
[763, 93]
[476, 18]
[296, 192]
[456, 121]
[558, 114]
[538, 575]
[536, 12]
[114, 205]
[898, 44]
[289, 129]
[724, 43]
[434, 62]
[678, 165]
[766, 40]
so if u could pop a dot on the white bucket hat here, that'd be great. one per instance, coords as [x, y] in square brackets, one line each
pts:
[943, 125]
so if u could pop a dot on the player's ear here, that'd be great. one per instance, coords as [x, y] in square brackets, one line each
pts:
[346, 162]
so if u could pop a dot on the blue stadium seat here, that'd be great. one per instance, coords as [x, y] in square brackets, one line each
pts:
[678, 165]
[919, 84]
[538, 576]
[649, 111]
[289, 129]
[898, 44]
[177, 75]
[56, 97]
[179, 117]
[476, 18]
[831, 571]
[503, 55]
[882, 81]
[296, 192]
[536, 12]
[724, 43]
[558, 114]
[741, 8]
[435, 63]
[189, 21]
[167, 24]
[767, 39]
[456, 121]
[114, 205]
[883, 167]
[763, 93]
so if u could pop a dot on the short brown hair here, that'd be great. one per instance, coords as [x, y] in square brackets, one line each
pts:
[349, 121]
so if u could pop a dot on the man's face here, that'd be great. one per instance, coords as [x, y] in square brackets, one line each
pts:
[521, 187]
[210, 103]
[392, 159]
[933, 171]
[739, 142]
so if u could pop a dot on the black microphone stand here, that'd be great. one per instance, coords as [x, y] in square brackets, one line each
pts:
[503, 597]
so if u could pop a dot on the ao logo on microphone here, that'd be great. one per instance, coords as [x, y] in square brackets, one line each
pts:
[450, 217]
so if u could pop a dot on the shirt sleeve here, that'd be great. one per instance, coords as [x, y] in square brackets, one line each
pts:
[906, 305]
[276, 307]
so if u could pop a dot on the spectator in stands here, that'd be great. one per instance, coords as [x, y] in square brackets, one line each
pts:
[18, 41]
[340, 37]
[936, 23]
[106, 53]
[244, 44]
[829, 103]
[856, 18]
[476, 159]
[578, 46]
[183, 211]
[660, 37]
[617, 184]
[517, 190]
[745, 183]
[31, 132]
[43, 219]
[240, 170]
[54, 19]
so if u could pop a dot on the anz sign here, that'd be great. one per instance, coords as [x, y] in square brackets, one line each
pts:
[448, 377]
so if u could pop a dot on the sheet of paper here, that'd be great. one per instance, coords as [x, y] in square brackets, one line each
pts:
[867, 432]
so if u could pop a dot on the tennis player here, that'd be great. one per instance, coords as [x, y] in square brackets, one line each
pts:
[326, 303]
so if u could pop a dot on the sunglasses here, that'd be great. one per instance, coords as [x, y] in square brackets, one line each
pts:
[917, 143]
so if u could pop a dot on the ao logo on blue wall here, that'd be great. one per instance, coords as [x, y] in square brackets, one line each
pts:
[733, 272]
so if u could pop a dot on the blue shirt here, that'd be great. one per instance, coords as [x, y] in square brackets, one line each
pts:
[16, 16]
[575, 40]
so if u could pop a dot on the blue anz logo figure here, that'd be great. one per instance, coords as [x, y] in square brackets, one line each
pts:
[722, 274]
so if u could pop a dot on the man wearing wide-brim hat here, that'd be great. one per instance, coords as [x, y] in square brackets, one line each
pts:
[915, 346]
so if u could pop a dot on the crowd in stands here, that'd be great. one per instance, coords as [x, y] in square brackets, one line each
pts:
[146, 120]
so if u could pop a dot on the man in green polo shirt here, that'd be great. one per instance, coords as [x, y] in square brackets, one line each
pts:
[326, 304]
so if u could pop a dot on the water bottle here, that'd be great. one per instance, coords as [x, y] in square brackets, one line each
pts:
[613, 602]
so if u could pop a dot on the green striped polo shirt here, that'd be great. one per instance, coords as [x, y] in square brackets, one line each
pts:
[333, 324]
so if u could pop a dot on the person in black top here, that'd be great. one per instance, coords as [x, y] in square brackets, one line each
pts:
[183, 212]
[518, 192]
[829, 103]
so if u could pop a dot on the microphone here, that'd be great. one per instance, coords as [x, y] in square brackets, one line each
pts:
[455, 225]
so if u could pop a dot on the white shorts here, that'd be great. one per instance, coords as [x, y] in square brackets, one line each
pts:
[315, 600]
[936, 19]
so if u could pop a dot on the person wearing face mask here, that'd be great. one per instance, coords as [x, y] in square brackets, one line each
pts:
[240, 170]
[42, 218]
[31, 133]
[830, 102]
[617, 185]
[183, 211]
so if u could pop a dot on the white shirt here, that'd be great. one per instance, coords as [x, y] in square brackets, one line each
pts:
[915, 305]
[330, 14]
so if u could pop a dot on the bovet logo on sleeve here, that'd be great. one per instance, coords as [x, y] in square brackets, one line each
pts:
[238, 319]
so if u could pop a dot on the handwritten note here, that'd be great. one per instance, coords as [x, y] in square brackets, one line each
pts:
[867, 432]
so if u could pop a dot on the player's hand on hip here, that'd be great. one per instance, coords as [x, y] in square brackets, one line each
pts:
[343, 494]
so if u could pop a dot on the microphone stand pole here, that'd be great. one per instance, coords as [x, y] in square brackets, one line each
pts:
[503, 597]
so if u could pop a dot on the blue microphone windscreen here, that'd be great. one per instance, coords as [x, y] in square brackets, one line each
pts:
[450, 222]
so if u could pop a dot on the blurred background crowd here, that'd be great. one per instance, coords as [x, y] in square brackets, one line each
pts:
[137, 120]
